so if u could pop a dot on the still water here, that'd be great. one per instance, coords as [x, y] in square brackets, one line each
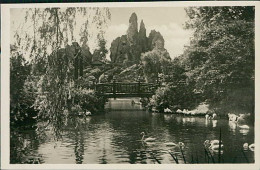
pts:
[114, 138]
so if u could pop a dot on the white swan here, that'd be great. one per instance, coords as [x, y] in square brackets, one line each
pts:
[214, 116]
[170, 144]
[179, 111]
[180, 144]
[88, 113]
[149, 139]
[251, 147]
[167, 110]
[232, 117]
[214, 147]
[244, 127]
[213, 144]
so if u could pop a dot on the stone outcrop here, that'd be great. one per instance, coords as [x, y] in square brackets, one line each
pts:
[132, 31]
[155, 40]
[142, 37]
[128, 48]
[120, 52]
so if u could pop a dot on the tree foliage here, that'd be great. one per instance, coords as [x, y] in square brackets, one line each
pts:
[218, 65]
[21, 91]
[154, 63]
[220, 59]
[51, 55]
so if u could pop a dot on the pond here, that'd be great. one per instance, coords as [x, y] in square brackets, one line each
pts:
[114, 138]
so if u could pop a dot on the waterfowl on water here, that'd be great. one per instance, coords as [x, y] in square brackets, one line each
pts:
[215, 147]
[238, 119]
[251, 147]
[167, 110]
[149, 139]
[232, 117]
[88, 113]
[170, 144]
[179, 111]
[244, 127]
[213, 144]
[180, 144]
[214, 116]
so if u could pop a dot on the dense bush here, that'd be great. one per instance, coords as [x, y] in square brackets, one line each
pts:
[22, 94]
[153, 64]
[173, 97]
[88, 100]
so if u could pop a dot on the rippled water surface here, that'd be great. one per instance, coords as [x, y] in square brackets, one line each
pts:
[114, 138]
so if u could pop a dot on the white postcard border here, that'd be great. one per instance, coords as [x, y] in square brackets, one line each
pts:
[5, 98]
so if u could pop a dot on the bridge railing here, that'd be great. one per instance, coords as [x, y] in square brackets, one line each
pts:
[117, 88]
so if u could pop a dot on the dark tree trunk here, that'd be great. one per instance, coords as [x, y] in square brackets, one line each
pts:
[80, 65]
[76, 66]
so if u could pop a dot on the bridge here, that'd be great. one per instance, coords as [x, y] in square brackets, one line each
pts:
[120, 89]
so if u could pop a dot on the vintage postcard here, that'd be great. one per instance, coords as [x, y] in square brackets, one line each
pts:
[130, 85]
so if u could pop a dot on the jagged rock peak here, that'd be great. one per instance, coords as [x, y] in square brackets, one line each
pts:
[133, 17]
[142, 37]
[128, 48]
[142, 29]
[132, 29]
[155, 40]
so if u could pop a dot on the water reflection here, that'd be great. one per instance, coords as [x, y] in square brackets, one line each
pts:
[23, 147]
[115, 138]
[79, 146]
[206, 122]
[214, 123]
[168, 117]
[188, 120]
[244, 131]
[232, 126]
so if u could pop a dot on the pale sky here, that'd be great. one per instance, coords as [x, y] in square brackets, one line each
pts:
[169, 21]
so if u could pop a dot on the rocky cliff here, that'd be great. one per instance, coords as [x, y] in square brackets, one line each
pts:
[128, 48]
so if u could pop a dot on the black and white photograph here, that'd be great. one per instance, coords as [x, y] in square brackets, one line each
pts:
[130, 84]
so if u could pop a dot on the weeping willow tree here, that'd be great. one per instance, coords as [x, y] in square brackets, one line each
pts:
[51, 38]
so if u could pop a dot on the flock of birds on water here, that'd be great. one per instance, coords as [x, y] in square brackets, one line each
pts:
[212, 145]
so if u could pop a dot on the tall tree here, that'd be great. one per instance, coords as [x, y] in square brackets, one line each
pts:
[220, 58]
[53, 30]
[154, 63]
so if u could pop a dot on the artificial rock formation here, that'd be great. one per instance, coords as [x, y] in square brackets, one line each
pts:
[142, 37]
[155, 40]
[132, 31]
[128, 48]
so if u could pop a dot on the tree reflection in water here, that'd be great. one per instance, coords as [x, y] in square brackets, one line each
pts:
[115, 138]
[79, 146]
[78, 124]
[103, 159]
[23, 147]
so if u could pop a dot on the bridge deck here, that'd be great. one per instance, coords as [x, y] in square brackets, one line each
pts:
[118, 89]
[120, 95]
